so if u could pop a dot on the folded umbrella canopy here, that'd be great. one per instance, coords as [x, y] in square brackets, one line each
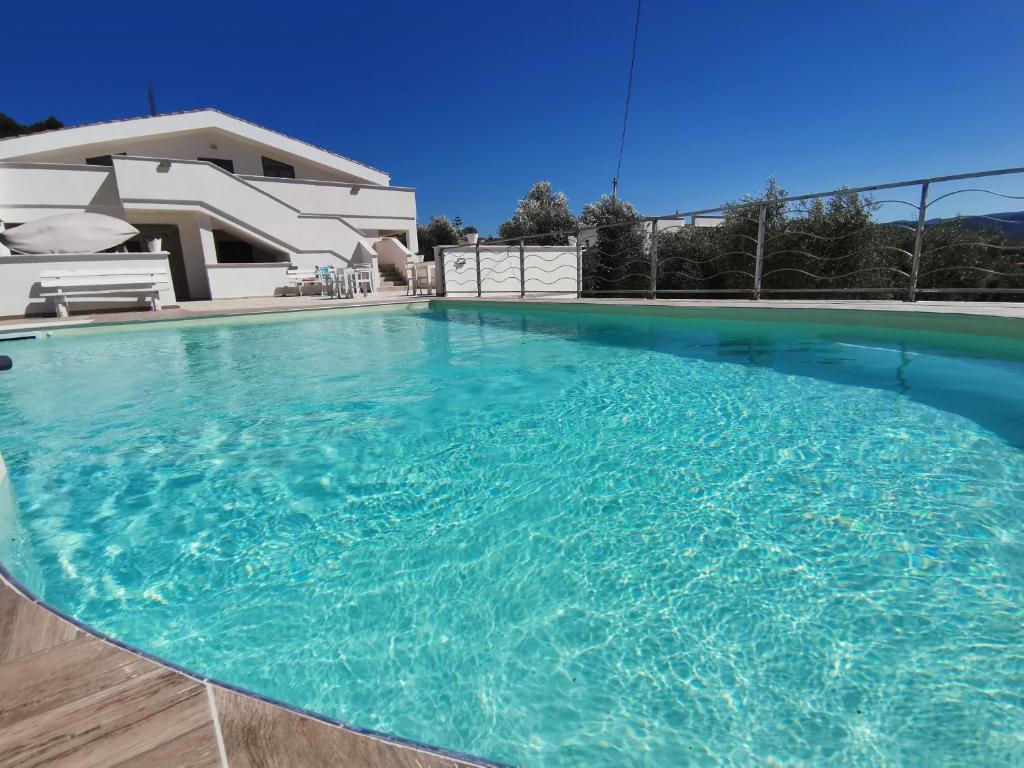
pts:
[68, 233]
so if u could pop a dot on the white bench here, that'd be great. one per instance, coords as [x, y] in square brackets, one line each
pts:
[137, 281]
[299, 278]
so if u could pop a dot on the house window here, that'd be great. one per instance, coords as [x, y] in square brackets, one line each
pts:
[232, 250]
[101, 159]
[277, 170]
[227, 165]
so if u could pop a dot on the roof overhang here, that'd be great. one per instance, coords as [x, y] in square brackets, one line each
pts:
[182, 122]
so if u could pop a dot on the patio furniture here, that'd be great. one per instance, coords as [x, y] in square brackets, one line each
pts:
[362, 279]
[427, 269]
[410, 277]
[137, 281]
[326, 276]
[300, 278]
[419, 276]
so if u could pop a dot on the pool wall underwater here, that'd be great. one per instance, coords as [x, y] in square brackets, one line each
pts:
[913, 317]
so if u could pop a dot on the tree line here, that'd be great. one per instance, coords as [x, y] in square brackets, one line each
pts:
[542, 217]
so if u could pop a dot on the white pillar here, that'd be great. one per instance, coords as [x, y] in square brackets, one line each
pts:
[198, 249]
[206, 241]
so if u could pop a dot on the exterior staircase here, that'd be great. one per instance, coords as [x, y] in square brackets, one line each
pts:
[391, 280]
[149, 184]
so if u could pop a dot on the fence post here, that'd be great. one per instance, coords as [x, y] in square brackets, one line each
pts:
[479, 280]
[922, 214]
[579, 266]
[762, 219]
[522, 268]
[439, 287]
[654, 259]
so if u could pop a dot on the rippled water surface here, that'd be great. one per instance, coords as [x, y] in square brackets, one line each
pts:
[547, 539]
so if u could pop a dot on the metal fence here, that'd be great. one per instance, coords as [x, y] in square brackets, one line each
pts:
[907, 243]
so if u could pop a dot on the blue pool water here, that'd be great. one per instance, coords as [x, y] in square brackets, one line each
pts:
[547, 539]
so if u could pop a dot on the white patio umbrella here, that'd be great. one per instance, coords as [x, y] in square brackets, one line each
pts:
[68, 233]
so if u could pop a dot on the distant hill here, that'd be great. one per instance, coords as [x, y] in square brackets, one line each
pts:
[1010, 223]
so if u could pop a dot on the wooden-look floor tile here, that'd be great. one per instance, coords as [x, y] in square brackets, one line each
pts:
[113, 725]
[195, 749]
[260, 735]
[62, 674]
[26, 628]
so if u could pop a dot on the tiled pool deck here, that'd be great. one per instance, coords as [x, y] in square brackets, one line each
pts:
[69, 697]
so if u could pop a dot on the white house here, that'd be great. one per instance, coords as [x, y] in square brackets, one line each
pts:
[233, 202]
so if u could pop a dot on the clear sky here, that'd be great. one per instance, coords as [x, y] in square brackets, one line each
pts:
[472, 102]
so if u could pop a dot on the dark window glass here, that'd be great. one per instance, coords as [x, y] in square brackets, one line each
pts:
[227, 165]
[101, 159]
[234, 252]
[277, 170]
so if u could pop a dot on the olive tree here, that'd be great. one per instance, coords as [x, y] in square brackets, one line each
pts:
[439, 231]
[615, 256]
[539, 214]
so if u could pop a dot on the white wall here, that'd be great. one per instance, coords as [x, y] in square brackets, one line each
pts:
[29, 192]
[549, 270]
[394, 203]
[366, 208]
[233, 281]
[20, 289]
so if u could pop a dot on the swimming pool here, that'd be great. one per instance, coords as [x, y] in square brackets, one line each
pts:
[547, 538]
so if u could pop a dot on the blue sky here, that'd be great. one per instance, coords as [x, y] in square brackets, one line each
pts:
[472, 102]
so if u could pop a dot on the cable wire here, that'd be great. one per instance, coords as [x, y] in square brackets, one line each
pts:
[629, 92]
